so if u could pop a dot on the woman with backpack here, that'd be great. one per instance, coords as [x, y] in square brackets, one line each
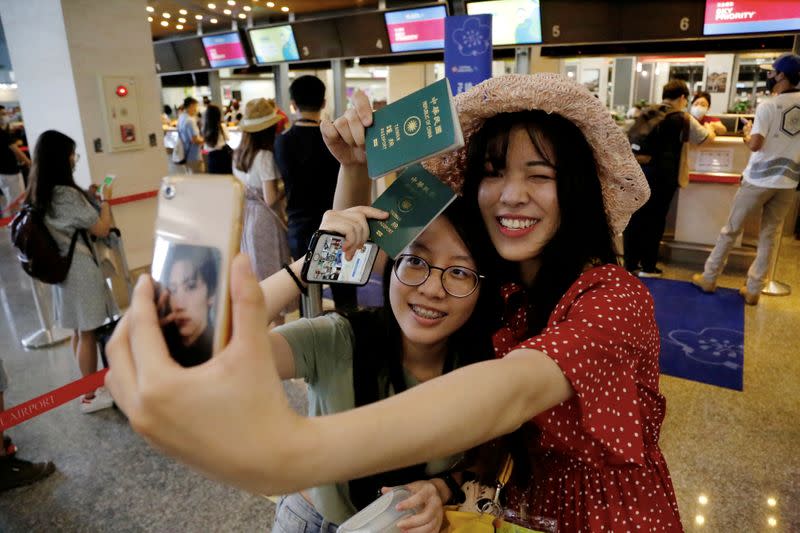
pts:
[215, 135]
[82, 301]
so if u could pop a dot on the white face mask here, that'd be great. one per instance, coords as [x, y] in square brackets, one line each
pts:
[699, 112]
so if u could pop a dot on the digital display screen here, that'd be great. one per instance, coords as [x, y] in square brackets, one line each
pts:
[274, 44]
[225, 50]
[317, 39]
[416, 29]
[363, 35]
[513, 21]
[751, 16]
[191, 54]
[166, 58]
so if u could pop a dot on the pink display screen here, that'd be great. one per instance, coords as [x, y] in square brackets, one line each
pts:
[225, 50]
[751, 16]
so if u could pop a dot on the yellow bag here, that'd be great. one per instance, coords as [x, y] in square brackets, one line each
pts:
[467, 522]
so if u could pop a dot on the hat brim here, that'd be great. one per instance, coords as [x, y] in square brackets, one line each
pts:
[622, 181]
[253, 128]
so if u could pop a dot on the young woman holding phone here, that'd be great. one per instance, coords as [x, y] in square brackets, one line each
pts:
[553, 179]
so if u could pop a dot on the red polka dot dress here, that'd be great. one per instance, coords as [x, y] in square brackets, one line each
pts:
[596, 456]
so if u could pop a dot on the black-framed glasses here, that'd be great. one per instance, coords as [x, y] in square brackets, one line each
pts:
[457, 281]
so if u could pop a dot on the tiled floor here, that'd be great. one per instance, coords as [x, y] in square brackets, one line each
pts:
[735, 448]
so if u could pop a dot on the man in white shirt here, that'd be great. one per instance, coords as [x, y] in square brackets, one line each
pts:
[768, 181]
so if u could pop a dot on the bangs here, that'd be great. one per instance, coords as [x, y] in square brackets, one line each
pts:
[498, 130]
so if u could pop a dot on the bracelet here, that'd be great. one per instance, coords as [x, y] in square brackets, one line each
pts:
[296, 280]
[457, 495]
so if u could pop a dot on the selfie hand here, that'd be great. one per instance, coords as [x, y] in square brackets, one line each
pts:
[430, 512]
[345, 135]
[352, 223]
[187, 412]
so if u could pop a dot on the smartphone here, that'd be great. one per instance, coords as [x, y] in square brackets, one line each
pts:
[107, 181]
[198, 230]
[325, 261]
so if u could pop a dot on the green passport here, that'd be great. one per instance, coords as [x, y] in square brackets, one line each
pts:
[415, 128]
[414, 199]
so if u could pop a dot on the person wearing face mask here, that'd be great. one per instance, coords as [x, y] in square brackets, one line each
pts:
[768, 182]
[699, 110]
[643, 235]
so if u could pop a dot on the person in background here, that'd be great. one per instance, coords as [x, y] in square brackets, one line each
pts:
[263, 231]
[81, 302]
[11, 158]
[768, 182]
[233, 115]
[166, 116]
[642, 237]
[310, 173]
[215, 136]
[189, 135]
[700, 105]
[16, 472]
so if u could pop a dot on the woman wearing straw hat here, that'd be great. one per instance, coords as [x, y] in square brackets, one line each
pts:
[553, 179]
[263, 232]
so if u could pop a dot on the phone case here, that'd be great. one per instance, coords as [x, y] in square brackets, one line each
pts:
[198, 231]
[309, 259]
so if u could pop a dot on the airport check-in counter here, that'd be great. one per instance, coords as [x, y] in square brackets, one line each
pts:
[171, 138]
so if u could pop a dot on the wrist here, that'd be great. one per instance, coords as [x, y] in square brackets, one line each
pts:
[442, 489]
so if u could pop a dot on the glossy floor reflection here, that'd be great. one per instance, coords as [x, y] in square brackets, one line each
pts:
[733, 455]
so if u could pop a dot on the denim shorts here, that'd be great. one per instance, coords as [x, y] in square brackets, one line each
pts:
[295, 515]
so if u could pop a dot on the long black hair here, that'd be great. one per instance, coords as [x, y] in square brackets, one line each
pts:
[583, 236]
[378, 357]
[212, 124]
[250, 145]
[50, 167]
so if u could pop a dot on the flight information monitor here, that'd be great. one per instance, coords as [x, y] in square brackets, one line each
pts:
[317, 39]
[363, 34]
[412, 30]
[166, 58]
[513, 21]
[274, 44]
[191, 54]
[751, 16]
[225, 50]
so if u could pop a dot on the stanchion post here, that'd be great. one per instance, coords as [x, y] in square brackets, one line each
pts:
[776, 288]
[311, 303]
[47, 335]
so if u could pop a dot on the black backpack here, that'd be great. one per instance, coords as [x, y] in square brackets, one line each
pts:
[37, 250]
[643, 135]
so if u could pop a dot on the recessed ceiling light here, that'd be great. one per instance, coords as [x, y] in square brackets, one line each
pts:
[242, 16]
[285, 9]
[164, 23]
[231, 2]
[198, 17]
[149, 9]
[166, 15]
[179, 26]
[213, 21]
[270, 4]
[149, 19]
[212, 6]
[182, 20]
[247, 8]
[183, 12]
[226, 11]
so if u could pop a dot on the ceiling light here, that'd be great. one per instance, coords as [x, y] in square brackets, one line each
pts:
[164, 23]
[226, 11]
[702, 499]
[231, 2]
[242, 16]
[182, 20]
[213, 21]
[699, 520]
[179, 26]
[285, 9]
[149, 19]
[166, 15]
[212, 6]
[772, 522]
[772, 502]
[247, 8]
[183, 12]
[198, 17]
[149, 9]
[270, 4]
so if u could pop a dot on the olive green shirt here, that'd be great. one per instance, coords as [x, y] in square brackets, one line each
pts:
[323, 355]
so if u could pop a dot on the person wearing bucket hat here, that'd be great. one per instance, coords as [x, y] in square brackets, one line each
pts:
[768, 181]
[264, 237]
[553, 180]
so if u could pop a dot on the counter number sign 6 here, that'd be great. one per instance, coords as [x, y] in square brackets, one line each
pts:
[684, 24]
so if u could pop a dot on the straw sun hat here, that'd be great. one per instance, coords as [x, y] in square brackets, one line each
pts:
[623, 184]
[259, 114]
